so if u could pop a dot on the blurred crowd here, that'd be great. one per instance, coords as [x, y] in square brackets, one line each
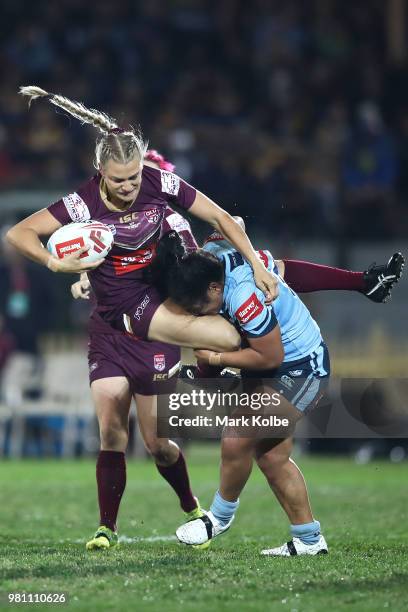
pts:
[286, 112]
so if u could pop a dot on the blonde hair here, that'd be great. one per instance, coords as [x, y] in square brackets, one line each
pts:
[123, 146]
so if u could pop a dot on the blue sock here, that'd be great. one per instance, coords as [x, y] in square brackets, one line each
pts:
[308, 533]
[223, 510]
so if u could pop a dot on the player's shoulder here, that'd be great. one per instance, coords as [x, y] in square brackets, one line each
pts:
[175, 221]
[164, 181]
[81, 203]
[245, 302]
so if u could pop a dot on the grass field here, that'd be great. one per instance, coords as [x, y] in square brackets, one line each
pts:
[48, 509]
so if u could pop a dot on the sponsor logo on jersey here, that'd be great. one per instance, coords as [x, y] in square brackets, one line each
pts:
[141, 308]
[152, 215]
[76, 207]
[296, 372]
[170, 183]
[250, 309]
[287, 381]
[128, 218]
[159, 362]
[93, 367]
[178, 223]
[70, 246]
[134, 260]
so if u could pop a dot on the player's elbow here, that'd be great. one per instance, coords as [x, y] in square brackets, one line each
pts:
[222, 220]
[273, 360]
[11, 236]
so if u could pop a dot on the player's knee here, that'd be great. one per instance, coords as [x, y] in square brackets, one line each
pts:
[271, 463]
[234, 448]
[231, 340]
[160, 450]
[113, 437]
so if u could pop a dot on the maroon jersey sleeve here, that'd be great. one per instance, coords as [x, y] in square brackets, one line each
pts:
[174, 221]
[74, 207]
[176, 190]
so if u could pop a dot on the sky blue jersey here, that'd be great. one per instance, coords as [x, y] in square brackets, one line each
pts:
[244, 304]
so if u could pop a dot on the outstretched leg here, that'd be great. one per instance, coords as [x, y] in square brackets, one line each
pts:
[172, 324]
[376, 282]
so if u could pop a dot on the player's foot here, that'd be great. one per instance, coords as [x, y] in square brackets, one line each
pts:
[103, 539]
[297, 547]
[201, 530]
[197, 513]
[379, 280]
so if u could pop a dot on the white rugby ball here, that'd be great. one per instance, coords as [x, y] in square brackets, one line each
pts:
[72, 237]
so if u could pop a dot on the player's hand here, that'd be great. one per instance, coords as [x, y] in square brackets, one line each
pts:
[81, 289]
[203, 355]
[266, 282]
[72, 264]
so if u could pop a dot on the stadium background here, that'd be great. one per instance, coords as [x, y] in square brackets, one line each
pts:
[292, 114]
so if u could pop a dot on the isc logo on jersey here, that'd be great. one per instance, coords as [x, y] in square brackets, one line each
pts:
[250, 309]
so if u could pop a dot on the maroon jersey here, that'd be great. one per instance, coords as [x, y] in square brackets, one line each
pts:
[136, 232]
[172, 221]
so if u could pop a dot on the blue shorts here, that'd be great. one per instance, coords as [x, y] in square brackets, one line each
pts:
[302, 382]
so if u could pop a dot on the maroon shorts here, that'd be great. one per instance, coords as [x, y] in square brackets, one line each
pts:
[150, 367]
[135, 313]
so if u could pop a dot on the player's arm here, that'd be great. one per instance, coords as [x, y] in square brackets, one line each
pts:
[25, 237]
[264, 353]
[208, 211]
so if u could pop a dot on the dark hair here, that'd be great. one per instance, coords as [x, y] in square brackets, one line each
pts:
[184, 278]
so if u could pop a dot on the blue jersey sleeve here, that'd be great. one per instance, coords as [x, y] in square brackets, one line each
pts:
[247, 306]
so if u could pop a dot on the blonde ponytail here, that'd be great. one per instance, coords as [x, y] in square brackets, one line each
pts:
[117, 144]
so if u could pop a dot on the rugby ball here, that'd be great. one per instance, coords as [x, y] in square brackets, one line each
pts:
[97, 236]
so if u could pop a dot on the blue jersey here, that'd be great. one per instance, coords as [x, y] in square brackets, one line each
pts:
[244, 304]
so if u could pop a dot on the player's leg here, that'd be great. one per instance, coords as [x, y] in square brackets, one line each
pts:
[284, 478]
[237, 456]
[167, 455]
[376, 282]
[112, 398]
[172, 324]
[287, 482]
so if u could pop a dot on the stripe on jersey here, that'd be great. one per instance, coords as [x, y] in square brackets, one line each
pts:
[268, 324]
[309, 395]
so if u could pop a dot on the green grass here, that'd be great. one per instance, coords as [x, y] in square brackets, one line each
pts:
[48, 510]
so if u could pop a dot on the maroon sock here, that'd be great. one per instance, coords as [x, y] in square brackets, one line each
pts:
[177, 477]
[111, 479]
[304, 277]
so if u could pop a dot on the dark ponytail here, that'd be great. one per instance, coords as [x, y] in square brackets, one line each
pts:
[164, 268]
[183, 277]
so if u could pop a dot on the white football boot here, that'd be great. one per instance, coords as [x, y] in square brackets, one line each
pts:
[202, 529]
[297, 547]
